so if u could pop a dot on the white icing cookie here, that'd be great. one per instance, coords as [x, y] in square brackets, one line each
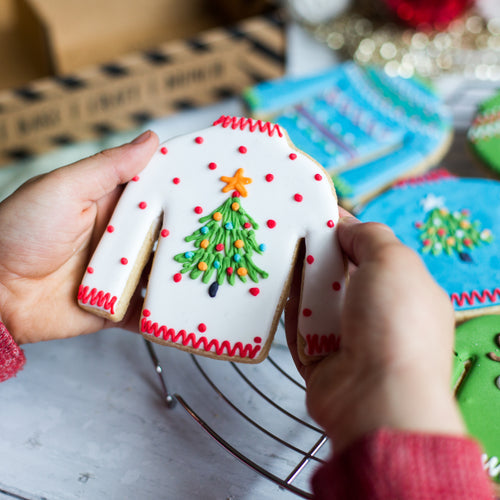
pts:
[231, 204]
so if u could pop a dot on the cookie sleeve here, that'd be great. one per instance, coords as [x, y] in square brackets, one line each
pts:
[114, 271]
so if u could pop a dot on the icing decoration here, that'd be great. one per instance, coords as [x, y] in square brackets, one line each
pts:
[95, 297]
[249, 124]
[237, 182]
[475, 377]
[163, 150]
[484, 133]
[135, 179]
[110, 229]
[317, 345]
[366, 128]
[454, 224]
[446, 232]
[221, 241]
[262, 230]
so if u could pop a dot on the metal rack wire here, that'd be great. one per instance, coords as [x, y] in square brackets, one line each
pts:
[292, 445]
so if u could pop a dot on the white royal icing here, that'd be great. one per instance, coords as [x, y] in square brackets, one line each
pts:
[184, 174]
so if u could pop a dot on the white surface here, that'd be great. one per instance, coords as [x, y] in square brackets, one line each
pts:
[85, 420]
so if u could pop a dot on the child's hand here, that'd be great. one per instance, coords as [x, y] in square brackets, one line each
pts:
[394, 365]
[48, 230]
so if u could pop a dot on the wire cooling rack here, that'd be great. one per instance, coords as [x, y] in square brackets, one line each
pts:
[256, 413]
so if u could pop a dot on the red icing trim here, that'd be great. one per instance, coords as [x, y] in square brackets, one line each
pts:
[248, 123]
[190, 340]
[435, 175]
[330, 223]
[475, 295]
[97, 297]
[322, 344]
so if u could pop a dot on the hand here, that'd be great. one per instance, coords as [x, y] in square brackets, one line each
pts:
[48, 230]
[397, 327]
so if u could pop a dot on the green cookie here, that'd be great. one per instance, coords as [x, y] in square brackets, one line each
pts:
[484, 133]
[476, 374]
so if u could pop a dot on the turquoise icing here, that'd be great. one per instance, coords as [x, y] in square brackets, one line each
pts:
[366, 128]
[401, 207]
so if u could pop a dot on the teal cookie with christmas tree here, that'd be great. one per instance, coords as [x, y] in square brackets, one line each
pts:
[476, 377]
[454, 224]
[484, 133]
[366, 128]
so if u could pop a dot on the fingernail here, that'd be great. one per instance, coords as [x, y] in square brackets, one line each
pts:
[142, 138]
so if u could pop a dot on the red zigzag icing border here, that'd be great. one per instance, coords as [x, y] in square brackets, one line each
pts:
[475, 295]
[98, 298]
[190, 340]
[243, 123]
[322, 344]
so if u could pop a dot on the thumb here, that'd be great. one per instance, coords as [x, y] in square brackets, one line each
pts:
[363, 241]
[92, 178]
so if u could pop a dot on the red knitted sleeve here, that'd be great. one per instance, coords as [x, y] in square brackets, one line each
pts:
[11, 356]
[404, 465]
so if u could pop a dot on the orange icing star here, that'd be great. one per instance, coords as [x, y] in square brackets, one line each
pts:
[237, 183]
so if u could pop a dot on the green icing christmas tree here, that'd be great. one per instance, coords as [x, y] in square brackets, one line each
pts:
[224, 247]
[445, 231]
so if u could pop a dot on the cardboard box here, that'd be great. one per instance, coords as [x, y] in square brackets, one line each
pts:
[178, 74]
[65, 35]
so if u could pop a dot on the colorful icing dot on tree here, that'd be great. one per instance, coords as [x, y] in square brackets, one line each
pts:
[445, 231]
[225, 244]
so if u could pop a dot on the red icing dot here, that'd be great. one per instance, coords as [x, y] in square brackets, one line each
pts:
[254, 291]
[257, 340]
[229, 270]
[90, 270]
[242, 150]
[164, 233]
[247, 225]
[198, 210]
[307, 312]
[298, 197]
[441, 232]
[143, 205]
[202, 327]
[199, 140]
[177, 277]
[124, 261]
[269, 177]
[271, 223]
[318, 177]
[136, 178]
[146, 312]
[110, 229]
[212, 165]
[426, 243]
[176, 180]
[236, 194]
[163, 150]
[336, 286]
[219, 247]
[310, 259]
[292, 156]
[330, 223]
[418, 224]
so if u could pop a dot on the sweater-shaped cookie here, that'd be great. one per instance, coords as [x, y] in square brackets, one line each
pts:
[477, 375]
[230, 205]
